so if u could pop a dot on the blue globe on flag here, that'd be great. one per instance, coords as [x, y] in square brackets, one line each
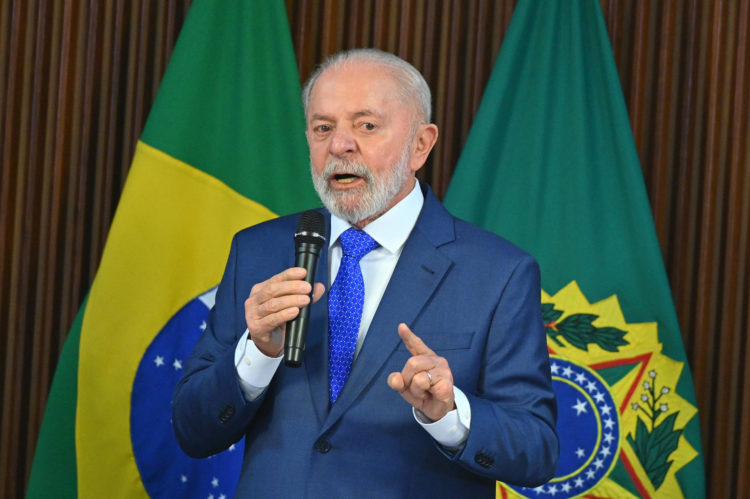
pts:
[165, 470]
[588, 425]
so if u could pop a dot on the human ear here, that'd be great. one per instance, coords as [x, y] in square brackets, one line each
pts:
[424, 141]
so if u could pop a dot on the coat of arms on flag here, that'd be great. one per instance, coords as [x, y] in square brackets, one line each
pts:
[620, 419]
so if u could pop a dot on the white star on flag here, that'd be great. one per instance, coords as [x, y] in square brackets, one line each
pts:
[580, 407]
[215, 482]
[203, 326]
[177, 364]
[159, 361]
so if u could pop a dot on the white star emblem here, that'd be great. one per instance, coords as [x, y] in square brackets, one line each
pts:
[159, 361]
[590, 473]
[591, 386]
[232, 447]
[177, 364]
[578, 482]
[203, 326]
[580, 407]
[580, 453]
[567, 372]
[608, 423]
[215, 482]
[598, 463]
[606, 410]
[566, 487]
[599, 397]
[554, 368]
[605, 451]
[580, 378]
[552, 490]
[183, 478]
[608, 437]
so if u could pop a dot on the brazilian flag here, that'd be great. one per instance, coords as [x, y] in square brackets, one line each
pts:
[550, 163]
[223, 148]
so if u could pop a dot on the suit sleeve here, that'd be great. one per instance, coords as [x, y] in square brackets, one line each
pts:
[209, 410]
[512, 436]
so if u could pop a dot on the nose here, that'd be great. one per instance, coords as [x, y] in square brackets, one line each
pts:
[342, 142]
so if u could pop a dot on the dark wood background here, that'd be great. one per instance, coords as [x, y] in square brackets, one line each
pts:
[77, 79]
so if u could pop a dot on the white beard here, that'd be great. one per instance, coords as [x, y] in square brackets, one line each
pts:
[369, 201]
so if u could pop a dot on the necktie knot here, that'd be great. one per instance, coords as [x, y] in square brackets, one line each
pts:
[356, 243]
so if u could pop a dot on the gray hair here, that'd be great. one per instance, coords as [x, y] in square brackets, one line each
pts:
[413, 89]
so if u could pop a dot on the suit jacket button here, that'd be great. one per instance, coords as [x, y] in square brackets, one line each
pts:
[322, 445]
[226, 413]
[483, 460]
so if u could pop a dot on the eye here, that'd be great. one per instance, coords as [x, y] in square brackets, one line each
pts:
[322, 128]
[368, 126]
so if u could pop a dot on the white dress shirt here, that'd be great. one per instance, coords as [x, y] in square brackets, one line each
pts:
[391, 230]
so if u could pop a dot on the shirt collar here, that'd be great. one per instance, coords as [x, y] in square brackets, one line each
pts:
[393, 227]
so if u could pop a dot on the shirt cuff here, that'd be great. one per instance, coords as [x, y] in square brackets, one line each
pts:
[451, 430]
[254, 368]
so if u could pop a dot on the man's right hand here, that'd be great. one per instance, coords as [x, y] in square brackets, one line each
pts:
[273, 303]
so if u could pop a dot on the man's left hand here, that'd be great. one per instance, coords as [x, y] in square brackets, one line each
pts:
[426, 381]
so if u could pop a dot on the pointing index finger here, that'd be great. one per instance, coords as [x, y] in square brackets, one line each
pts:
[413, 343]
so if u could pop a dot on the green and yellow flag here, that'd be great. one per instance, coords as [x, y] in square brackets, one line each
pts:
[223, 148]
[550, 163]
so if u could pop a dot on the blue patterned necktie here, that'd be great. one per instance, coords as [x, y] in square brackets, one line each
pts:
[345, 300]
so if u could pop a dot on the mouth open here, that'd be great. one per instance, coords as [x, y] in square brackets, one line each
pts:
[345, 178]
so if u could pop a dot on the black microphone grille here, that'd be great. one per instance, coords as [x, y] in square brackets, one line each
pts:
[311, 228]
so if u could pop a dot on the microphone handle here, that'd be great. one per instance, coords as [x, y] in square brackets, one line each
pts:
[296, 329]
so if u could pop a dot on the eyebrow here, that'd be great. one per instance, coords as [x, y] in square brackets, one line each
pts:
[357, 114]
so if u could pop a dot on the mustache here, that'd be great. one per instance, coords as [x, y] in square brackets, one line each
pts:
[338, 167]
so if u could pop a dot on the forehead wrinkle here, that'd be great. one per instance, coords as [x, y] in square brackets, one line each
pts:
[367, 112]
[363, 113]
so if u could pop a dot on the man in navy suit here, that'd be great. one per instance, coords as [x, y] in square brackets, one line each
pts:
[448, 387]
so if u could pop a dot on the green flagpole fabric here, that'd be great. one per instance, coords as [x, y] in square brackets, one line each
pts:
[53, 471]
[223, 148]
[230, 103]
[550, 164]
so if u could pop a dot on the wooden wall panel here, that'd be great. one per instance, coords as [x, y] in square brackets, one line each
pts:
[76, 81]
[77, 78]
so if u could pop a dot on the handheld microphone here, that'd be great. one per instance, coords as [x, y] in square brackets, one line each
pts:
[308, 241]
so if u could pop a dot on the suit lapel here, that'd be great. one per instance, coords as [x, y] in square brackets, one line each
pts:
[316, 349]
[417, 275]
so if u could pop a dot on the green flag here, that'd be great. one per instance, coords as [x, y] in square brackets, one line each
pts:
[222, 149]
[550, 164]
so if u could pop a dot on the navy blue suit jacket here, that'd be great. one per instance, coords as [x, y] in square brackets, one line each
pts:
[470, 295]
